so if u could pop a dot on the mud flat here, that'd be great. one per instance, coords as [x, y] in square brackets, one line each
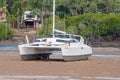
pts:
[95, 68]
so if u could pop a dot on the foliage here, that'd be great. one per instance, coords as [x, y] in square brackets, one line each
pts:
[1, 3]
[90, 18]
[47, 28]
[96, 25]
[64, 8]
[5, 32]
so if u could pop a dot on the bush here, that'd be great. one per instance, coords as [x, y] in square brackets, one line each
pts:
[94, 26]
[5, 32]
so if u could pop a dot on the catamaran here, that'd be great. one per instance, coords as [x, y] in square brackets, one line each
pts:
[70, 46]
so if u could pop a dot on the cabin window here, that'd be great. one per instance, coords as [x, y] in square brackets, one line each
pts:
[44, 40]
[64, 41]
[37, 40]
[35, 45]
[73, 41]
[62, 36]
[75, 37]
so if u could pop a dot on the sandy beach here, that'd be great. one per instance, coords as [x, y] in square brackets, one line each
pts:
[95, 68]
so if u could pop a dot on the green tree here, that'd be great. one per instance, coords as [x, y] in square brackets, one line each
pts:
[2, 3]
[5, 32]
[17, 11]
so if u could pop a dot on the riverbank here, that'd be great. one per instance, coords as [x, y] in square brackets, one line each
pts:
[8, 43]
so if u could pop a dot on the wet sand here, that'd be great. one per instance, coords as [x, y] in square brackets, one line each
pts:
[95, 68]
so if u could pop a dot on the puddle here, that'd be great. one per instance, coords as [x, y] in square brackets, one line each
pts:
[8, 47]
[40, 77]
[100, 78]
[58, 78]
[106, 55]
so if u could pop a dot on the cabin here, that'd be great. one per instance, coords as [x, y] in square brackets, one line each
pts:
[31, 20]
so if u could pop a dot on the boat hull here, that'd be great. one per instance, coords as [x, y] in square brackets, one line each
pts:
[69, 53]
[76, 57]
[35, 56]
[35, 52]
[76, 53]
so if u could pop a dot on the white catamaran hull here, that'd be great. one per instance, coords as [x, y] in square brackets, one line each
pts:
[76, 53]
[36, 52]
[69, 53]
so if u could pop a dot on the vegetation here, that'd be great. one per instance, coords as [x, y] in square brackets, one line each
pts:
[64, 8]
[90, 26]
[93, 19]
[5, 32]
[96, 26]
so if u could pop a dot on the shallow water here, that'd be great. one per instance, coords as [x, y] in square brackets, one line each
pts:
[106, 55]
[8, 47]
[58, 78]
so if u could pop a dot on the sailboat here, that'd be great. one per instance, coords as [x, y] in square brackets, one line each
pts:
[70, 46]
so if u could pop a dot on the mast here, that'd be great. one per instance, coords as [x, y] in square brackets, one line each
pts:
[53, 18]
